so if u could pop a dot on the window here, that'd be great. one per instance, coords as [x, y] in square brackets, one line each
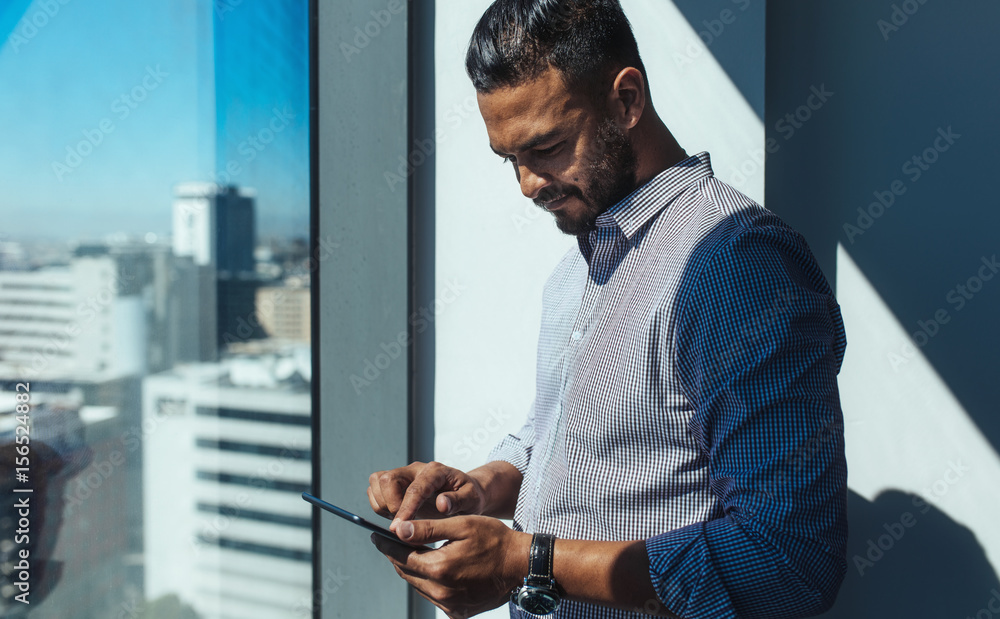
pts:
[170, 431]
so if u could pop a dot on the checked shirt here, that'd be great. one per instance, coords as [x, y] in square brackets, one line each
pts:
[686, 395]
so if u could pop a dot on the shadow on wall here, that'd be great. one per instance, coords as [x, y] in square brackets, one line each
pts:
[896, 164]
[906, 558]
[732, 31]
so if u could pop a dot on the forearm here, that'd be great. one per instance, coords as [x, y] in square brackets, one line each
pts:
[500, 482]
[607, 573]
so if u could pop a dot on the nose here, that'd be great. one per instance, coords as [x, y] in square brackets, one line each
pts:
[532, 183]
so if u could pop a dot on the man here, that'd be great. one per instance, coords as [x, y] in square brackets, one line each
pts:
[684, 453]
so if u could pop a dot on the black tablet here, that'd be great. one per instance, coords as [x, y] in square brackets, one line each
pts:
[361, 522]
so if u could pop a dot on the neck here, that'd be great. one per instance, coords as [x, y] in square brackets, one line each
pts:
[655, 148]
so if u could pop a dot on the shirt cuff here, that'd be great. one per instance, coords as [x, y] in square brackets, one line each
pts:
[511, 449]
[681, 568]
[711, 569]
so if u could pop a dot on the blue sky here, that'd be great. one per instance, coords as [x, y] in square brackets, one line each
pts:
[64, 69]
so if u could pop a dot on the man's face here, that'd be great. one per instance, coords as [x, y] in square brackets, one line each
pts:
[570, 157]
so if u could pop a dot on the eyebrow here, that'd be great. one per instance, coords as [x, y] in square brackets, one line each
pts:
[548, 136]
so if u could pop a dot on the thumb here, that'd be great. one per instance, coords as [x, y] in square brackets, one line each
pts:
[428, 531]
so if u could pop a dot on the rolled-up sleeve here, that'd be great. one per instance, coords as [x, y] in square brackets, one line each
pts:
[759, 344]
[516, 448]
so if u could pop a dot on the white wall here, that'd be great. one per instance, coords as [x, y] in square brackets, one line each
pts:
[905, 429]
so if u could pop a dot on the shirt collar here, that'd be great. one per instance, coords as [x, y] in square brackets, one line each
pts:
[635, 210]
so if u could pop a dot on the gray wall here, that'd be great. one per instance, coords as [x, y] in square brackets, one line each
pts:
[899, 72]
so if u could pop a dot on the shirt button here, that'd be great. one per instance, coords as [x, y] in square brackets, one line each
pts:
[576, 336]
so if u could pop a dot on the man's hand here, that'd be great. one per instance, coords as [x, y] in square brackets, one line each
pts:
[474, 572]
[407, 492]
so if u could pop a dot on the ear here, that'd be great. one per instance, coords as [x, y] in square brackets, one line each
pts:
[628, 97]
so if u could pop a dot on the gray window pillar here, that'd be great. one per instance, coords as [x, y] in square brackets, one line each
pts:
[361, 289]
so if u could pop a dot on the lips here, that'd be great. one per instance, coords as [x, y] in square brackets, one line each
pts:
[554, 205]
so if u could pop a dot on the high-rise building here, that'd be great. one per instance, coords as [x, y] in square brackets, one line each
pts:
[214, 226]
[215, 275]
[84, 321]
[227, 454]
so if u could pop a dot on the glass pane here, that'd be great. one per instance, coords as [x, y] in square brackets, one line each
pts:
[155, 281]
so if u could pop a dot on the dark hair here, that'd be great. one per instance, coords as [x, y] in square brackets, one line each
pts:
[586, 40]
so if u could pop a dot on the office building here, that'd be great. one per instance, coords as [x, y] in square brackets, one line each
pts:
[227, 454]
[283, 311]
[214, 274]
[85, 321]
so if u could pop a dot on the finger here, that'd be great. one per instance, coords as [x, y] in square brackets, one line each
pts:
[394, 484]
[375, 494]
[415, 576]
[465, 500]
[423, 587]
[398, 554]
[431, 479]
[428, 593]
[374, 503]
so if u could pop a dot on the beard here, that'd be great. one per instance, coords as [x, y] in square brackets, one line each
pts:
[611, 176]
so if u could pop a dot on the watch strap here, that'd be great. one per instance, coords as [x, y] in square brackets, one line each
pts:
[540, 558]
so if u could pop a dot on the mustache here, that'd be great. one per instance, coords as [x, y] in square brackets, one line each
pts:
[553, 194]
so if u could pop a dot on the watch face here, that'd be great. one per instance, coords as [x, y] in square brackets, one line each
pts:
[538, 601]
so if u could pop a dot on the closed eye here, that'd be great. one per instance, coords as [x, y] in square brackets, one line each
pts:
[544, 152]
[541, 152]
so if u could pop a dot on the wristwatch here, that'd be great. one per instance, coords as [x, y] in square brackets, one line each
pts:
[539, 595]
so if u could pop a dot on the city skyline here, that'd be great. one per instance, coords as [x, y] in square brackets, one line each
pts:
[148, 145]
[104, 133]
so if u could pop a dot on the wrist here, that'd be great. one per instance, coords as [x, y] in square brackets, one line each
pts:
[516, 564]
[480, 483]
[539, 595]
[498, 484]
